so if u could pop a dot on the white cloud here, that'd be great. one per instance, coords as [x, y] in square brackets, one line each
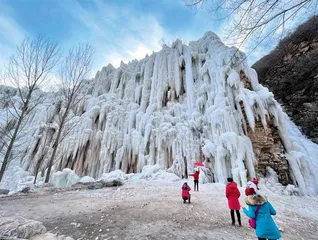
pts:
[117, 33]
[140, 52]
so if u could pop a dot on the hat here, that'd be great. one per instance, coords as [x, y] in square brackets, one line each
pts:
[230, 179]
[249, 191]
[255, 181]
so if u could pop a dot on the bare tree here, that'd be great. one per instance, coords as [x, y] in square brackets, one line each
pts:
[255, 20]
[49, 132]
[8, 116]
[27, 70]
[74, 70]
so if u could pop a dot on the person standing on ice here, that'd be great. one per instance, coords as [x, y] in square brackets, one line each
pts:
[232, 194]
[196, 179]
[260, 209]
[186, 193]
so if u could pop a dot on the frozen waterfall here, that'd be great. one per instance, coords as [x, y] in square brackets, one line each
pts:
[184, 104]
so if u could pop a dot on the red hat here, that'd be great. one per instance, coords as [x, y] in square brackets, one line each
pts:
[255, 181]
[249, 191]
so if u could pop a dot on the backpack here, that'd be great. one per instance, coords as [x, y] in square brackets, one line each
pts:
[252, 221]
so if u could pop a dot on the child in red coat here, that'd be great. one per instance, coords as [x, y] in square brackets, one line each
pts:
[252, 187]
[232, 195]
[186, 192]
[196, 179]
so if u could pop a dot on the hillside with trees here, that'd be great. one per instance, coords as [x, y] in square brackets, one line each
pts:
[290, 72]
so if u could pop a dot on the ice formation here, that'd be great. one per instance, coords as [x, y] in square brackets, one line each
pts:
[148, 173]
[184, 104]
[86, 179]
[271, 183]
[65, 178]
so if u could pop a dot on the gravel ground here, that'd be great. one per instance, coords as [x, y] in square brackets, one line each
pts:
[155, 210]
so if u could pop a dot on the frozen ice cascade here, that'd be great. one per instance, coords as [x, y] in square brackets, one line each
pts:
[184, 104]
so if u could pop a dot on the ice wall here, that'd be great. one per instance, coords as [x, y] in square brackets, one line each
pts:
[183, 104]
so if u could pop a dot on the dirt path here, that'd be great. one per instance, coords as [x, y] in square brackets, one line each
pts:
[146, 211]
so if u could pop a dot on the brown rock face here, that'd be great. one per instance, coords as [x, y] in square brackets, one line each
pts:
[267, 146]
[269, 150]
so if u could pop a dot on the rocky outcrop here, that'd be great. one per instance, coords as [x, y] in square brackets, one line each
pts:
[4, 191]
[269, 151]
[267, 145]
[291, 73]
[21, 228]
[97, 185]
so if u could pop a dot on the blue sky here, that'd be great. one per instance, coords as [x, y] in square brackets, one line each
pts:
[118, 29]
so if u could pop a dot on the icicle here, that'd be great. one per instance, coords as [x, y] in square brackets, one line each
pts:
[171, 108]
[189, 81]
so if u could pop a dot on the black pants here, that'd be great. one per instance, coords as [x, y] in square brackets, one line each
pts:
[238, 216]
[196, 184]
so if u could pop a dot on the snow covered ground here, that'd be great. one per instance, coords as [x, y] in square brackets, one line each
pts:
[153, 209]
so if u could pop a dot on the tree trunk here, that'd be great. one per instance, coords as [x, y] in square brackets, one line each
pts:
[37, 167]
[36, 175]
[56, 143]
[185, 168]
[9, 150]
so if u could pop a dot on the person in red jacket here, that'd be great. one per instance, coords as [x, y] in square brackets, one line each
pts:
[232, 194]
[252, 187]
[186, 192]
[196, 179]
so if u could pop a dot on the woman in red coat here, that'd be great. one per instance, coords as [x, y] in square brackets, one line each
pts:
[196, 179]
[233, 194]
[186, 192]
